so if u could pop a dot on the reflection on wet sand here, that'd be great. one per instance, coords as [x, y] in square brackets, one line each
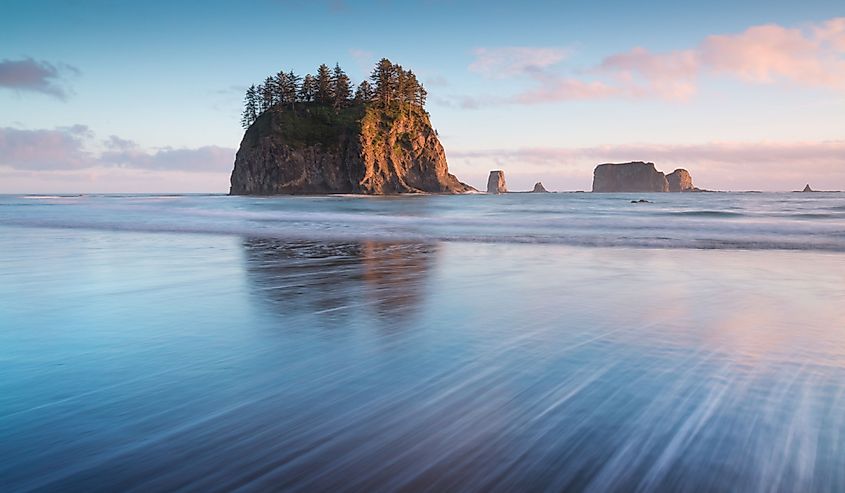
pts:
[332, 280]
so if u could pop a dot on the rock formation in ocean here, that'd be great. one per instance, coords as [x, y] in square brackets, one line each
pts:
[635, 176]
[539, 188]
[808, 189]
[638, 176]
[496, 182]
[680, 181]
[316, 149]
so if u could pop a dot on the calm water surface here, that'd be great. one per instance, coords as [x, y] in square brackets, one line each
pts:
[561, 342]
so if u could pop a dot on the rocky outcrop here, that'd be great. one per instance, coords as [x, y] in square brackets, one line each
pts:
[808, 189]
[496, 182]
[636, 176]
[539, 188]
[314, 149]
[681, 181]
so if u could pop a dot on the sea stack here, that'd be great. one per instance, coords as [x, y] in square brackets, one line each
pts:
[315, 149]
[680, 181]
[636, 176]
[539, 188]
[319, 141]
[807, 188]
[496, 182]
[639, 176]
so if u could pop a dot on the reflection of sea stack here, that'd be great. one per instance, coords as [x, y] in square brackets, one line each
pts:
[808, 189]
[496, 182]
[539, 188]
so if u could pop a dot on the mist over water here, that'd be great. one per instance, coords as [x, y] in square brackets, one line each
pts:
[444, 343]
[802, 221]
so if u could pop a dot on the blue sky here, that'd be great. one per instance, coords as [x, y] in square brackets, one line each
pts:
[137, 96]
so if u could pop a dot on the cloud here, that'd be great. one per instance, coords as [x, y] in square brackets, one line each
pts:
[511, 61]
[36, 76]
[127, 154]
[717, 165]
[69, 148]
[810, 56]
[60, 148]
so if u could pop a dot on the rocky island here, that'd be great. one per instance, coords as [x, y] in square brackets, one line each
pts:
[496, 182]
[312, 136]
[639, 176]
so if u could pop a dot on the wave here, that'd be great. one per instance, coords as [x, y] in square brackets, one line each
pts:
[602, 238]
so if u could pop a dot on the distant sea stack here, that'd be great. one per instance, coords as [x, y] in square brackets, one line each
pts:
[639, 176]
[496, 182]
[636, 176]
[539, 188]
[680, 181]
[310, 136]
[807, 188]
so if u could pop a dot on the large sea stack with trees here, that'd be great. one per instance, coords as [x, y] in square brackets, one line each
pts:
[313, 135]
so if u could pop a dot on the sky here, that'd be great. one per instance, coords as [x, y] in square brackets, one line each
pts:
[128, 96]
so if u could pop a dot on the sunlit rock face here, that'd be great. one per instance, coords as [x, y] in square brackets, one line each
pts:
[636, 176]
[314, 149]
[496, 182]
[680, 181]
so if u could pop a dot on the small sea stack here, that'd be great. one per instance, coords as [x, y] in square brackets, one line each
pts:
[539, 188]
[496, 182]
[807, 188]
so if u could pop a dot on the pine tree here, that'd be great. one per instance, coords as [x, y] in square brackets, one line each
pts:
[340, 87]
[259, 92]
[291, 87]
[412, 86]
[364, 93]
[307, 89]
[268, 93]
[250, 107]
[384, 81]
[421, 96]
[323, 93]
[279, 83]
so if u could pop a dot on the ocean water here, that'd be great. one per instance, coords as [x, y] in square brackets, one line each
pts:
[559, 342]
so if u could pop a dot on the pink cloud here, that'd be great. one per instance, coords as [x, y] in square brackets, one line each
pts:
[811, 56]
[510, 61]
[767, 54]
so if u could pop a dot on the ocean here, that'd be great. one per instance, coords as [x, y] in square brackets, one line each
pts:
[522, 342]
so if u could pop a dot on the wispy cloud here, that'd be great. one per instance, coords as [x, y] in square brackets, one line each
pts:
[36, 76]
[70, 148]
[809, 56]
[515, 60]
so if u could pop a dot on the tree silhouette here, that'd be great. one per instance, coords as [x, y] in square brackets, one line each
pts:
[364, 93]
[389, 86]
[250, 107]
[323, 93]
[384, 82]
[307, 89]
[341, 90]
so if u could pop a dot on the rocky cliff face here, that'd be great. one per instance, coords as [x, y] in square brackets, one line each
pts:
[635, 176]
[313, 149]
[680, 181]
[496, 182]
